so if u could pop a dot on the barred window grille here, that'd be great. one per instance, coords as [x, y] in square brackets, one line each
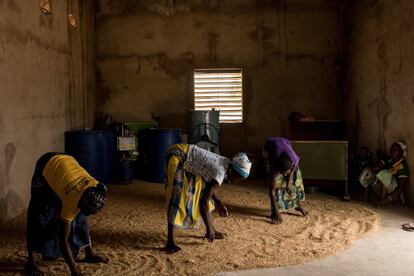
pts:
[221, 89]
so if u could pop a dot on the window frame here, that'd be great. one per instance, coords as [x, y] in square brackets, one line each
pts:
[221, 70]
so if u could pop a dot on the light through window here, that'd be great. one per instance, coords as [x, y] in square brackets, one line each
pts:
[221, 89]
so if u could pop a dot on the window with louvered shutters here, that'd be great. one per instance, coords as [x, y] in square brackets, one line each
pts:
[221, 89]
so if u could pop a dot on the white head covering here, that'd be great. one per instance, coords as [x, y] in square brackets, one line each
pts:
[403, 147]
[241, 164]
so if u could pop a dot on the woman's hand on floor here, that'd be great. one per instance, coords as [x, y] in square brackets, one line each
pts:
[223, 212]
[210, 235]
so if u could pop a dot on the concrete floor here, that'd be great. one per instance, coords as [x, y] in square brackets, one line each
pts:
[389, 252]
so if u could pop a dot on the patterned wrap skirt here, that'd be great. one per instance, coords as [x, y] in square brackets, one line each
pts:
[183, 190]
[288, 196]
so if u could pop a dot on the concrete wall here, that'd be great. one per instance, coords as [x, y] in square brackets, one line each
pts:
[290, 52]
[34, 89]
[39, 99]
[380, 95]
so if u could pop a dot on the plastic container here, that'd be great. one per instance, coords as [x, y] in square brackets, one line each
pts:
[124, 171]
[153, 144]
[94, 150]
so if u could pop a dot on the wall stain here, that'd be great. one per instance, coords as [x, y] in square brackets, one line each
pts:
[318, 58]
[198, 24]
[1, 134]
[381, 104]
[173, 67]
[376, 8]
[212, 45]
[268, 46]
[400, 63]
[9, 153]
[13, 6]
[269, 57]
[46, 20]
[24, 37]
[285, 36]
[103, 92]
[165, 8]
[177, 67]
[138, 66]
[262, 34]
[213, 5]
[2, 50]
[11, 205]
[358, 125]
[169, 8]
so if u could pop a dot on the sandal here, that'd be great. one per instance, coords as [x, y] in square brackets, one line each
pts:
[408, 227]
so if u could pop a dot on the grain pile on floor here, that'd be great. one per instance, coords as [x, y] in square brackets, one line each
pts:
[132, 231]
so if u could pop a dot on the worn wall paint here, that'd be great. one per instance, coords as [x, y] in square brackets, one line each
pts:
[290, 52]
[82, 66]
[34, 89]
[380, 93]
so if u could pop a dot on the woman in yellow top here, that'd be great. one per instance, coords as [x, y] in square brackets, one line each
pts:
[193, 176]
[63, 194]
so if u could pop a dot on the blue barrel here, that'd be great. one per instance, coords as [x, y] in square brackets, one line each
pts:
[124, 171]
[94, 150]
[153, 144]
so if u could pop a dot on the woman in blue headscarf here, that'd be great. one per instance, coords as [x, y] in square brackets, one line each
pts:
[193, 176]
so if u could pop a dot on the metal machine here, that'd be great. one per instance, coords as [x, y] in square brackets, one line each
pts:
[204, 129]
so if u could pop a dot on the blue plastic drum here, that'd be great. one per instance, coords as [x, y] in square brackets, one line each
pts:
[153, 144]
[94, 150]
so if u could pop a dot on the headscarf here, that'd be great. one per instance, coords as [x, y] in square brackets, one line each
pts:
[403, 147]
[241, 164]
[94, 199]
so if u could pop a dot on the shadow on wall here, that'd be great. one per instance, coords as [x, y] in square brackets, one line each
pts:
[10, 202]
[11, 205]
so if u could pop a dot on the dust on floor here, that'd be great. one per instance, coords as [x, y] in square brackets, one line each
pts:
[131, 231]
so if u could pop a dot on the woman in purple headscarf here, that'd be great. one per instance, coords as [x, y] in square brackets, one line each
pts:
[285, 179]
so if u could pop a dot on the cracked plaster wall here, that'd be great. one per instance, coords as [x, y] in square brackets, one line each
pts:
[290, 52]
[34, 89]
[379, 94]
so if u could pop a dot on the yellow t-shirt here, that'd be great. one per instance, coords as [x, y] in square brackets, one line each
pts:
[68, 180]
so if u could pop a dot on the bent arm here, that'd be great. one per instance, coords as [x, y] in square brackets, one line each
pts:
[273, 191]
[216, 200]
[66, 249]
[222, 209]
[272, 194]
[290, 179]
[205, 199]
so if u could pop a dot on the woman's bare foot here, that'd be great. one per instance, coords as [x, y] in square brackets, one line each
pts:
[172, 248]
[95, 258]
[48, 258]
[302, 210]
[218, 235]
[31, 269]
